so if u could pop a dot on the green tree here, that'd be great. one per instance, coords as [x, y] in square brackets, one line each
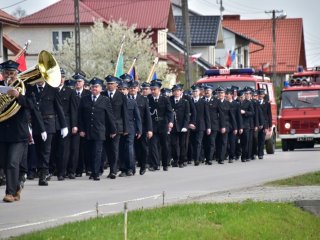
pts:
[100, 48]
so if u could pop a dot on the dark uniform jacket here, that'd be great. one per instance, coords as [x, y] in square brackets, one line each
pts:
[48, 102]
[247, 106]
[202, 116]
[216, 114]
[134, 119]
[258, 116]
[120, 110]
[146, 120]
[181, 113]
[161, 113]
[69, 104]
[96, 119]
[235, 108]
[229, 118]
[193, 112]
[266, 114]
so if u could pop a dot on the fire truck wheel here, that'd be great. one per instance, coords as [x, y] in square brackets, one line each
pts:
[271, 144]
[284, 144]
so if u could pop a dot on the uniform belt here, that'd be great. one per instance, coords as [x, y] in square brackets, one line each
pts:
[48, 116]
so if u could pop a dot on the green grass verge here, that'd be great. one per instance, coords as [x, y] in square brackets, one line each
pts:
[301, 180]
[278, 144]
[248, 220]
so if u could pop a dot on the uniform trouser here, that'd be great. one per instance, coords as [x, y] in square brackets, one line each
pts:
[244, 138]
[32, 158]
[261, 140]
[60, 153]
[254, 143]
[222, 146]
[126, 155]
[141, 147]
[209, 147]
[23, 169]
[112, 150]
[74, 153]
[157, 142]
[79, 148]
[179, 146]
[43, 153]
[250, 142]
[95, 151]
[11, 156]
[231, 145]
[238, 145]
[196, 144]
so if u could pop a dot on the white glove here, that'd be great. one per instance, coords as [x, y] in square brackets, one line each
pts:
[64, 132]
[44, 136]
[184, 130]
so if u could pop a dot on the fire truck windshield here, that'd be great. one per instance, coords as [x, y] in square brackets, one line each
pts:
[301, 99]
[228, 84]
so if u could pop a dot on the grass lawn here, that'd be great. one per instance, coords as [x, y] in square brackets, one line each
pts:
[278, 144]
[246, 220]
[301, 180]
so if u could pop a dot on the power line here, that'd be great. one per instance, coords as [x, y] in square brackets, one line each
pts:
[12, 5]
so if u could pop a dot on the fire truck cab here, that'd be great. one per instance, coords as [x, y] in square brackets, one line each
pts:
[242, 78]
[299, 116]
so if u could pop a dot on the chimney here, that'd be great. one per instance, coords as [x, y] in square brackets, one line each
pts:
[231, 17]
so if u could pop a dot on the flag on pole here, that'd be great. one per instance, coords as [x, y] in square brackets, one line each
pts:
[265, 67]
[119, 67]
[228, 59]
[194, 57]
[22, 63]
[233, 56]
[133, 73]
[154, 77]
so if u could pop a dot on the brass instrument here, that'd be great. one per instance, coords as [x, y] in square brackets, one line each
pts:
[46, 70]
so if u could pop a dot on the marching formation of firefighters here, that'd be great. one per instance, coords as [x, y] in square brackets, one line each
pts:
[77, 129]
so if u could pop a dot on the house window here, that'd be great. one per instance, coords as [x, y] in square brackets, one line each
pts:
[58, 37]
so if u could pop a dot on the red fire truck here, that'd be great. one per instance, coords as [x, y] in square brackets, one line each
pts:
[242, 78]
[299, 117]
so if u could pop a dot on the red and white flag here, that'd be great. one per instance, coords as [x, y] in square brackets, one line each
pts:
[22, 63]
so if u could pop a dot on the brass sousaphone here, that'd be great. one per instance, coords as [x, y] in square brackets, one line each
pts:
[46, 70]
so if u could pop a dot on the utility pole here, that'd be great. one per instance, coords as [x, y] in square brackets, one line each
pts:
[187, 40]
[274, 42]
[77, 35]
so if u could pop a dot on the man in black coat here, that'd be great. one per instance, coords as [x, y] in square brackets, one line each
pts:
[202, 125]
[49, 104]
[78, 156]
[141, 145]
[61, 146]
[162, 123]
[266, 121]
[14, 134]
[181, 116]
[120, 112]
[216, 123]
[247, 113]
[96, 119]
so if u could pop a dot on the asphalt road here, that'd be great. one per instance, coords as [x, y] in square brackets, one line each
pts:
[71, 200]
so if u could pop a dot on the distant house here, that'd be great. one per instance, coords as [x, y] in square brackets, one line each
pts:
[7, 45]
[290, 47]
[50, 26]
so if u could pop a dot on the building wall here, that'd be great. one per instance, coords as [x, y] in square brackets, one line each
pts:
[162, 41]
[207, 52]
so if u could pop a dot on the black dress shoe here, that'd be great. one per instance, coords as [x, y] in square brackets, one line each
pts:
[142, 171]
[122, 174]
[230, 161]
[165, 168]
[196, 163]
[151, 169]
[30, 176]
[181, 165]
[174, 164]
[208, 162]
[96, 179]
[43, 182]
[71, 176]
[221, 162]
[79, 175]
[130, 173]
[158, 168]
[112, 176]
[60, 178]
[185, 164]
[260, 157]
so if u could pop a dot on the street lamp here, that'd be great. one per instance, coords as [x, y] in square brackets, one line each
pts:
[283, 15]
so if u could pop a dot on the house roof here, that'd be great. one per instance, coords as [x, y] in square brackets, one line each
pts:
[61, 12]
[7, 18]
[290, 50]
[203, 29]
[8, 43]
[143, 13]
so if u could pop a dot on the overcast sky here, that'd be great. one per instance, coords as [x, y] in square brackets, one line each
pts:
[308, 10]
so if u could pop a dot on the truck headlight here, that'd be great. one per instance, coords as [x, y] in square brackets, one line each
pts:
[287, 125]
[293, 131]
[316, 130]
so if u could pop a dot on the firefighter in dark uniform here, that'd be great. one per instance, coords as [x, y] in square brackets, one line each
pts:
[145, 89]
[49, 104]
[266, 123]
[229, 124]
[181, 116]
[202, 125]
[232, 134]
[257, 123]
[120, 111]
[127, 163]
[216, 121]
[14, 134]
[96, 119]
[141, 145]
[78, 156]
[162, 123]
[247, 113]
[60, 152]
